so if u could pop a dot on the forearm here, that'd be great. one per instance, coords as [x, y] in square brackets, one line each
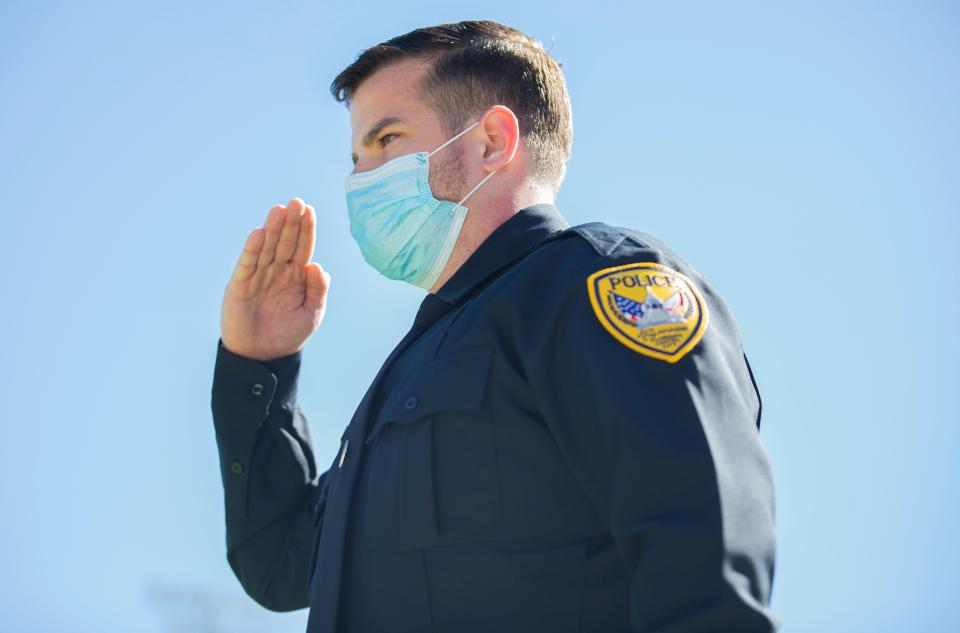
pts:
[269, 477]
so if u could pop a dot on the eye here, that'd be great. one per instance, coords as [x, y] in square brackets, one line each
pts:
[386, 138]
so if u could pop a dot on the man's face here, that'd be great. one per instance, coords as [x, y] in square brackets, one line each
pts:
[388, 119]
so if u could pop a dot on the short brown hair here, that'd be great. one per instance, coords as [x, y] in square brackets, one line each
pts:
[476, 65]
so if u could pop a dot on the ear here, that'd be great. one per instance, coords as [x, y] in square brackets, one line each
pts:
[502, 135]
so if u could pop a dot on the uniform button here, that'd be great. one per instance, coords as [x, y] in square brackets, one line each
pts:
[237, 468]
[257, 389]
[411, 403]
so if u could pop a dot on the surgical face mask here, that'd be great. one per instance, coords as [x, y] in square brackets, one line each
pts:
[402, 230]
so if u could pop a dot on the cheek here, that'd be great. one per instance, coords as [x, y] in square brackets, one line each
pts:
[448, 177]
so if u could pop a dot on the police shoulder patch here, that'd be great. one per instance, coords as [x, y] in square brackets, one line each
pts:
[649, 308]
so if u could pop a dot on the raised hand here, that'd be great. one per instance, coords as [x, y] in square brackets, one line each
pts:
[276, 297]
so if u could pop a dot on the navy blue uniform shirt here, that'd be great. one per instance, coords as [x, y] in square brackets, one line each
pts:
[565, 441]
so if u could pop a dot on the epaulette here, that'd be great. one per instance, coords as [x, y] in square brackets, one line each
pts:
[605, 238]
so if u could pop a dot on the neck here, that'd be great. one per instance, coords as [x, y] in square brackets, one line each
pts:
[484, 216]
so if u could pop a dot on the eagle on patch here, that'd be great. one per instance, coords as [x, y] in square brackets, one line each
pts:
[652, 310]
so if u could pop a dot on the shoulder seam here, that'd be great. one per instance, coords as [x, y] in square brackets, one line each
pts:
[614, 237]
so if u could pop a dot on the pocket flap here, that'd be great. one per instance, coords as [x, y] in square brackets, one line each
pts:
[455, 381]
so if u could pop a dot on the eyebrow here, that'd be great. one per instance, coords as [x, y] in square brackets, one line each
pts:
[371, 136]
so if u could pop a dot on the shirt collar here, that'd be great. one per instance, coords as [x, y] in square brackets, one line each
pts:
[527, 228]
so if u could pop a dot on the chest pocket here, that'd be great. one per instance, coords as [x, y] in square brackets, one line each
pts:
[434, 477]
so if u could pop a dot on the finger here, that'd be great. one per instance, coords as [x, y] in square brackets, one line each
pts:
[291, 231]
[318, 283]
[272, 229]
[247, 265]
[307, 238]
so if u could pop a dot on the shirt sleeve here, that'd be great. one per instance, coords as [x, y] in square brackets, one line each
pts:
[670, 456]
[272, 490]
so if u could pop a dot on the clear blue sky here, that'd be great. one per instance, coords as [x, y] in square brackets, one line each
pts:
[805, 158]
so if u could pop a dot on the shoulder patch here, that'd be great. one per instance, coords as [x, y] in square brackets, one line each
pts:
[649, 308]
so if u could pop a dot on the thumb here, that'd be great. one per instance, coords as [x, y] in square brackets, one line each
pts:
[318, 282]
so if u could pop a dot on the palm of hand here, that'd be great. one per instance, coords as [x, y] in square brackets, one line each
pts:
[276, 297]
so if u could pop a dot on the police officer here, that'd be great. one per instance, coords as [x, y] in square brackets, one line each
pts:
[566, 440]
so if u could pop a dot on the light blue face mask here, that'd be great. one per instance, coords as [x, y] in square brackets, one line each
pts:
[402, 230]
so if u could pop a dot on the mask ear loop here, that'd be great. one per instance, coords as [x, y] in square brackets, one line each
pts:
[477, 186]
[453, 139]
[482, 180]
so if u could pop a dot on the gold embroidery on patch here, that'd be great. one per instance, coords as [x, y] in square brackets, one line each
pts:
[649, 308]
